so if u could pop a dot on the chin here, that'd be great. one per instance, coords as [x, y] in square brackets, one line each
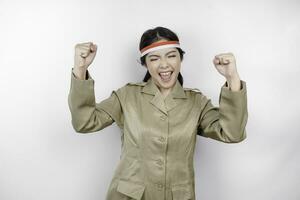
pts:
[168, 84]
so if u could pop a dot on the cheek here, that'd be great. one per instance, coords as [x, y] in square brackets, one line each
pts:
[152, 67]
[176, 64]
[175, 61]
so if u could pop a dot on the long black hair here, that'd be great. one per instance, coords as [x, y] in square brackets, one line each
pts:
[153, 35]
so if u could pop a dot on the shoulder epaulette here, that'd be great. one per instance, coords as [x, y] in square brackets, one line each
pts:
[137, 83]
[193, 89]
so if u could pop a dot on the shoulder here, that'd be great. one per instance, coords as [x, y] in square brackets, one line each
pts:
[130, 87]
[194, 94]
[133, 86]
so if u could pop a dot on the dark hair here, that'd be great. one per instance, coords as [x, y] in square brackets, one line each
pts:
[153, 35]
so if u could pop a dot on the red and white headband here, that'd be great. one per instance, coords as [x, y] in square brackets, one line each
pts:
[159, 45]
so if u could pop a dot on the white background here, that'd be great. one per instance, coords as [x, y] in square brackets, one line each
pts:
[43, 158]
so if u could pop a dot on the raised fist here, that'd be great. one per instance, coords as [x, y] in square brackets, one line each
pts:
[226, 65]
[84, 55]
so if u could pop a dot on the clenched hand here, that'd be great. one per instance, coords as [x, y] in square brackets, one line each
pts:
[84, 56]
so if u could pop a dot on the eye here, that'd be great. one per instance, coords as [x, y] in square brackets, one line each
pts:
[172, 56]
[153, 59]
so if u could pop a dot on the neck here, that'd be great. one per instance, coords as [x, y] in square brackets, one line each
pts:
[165, 91]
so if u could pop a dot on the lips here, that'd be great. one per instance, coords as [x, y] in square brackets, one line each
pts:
[166, 76]
[165, 73]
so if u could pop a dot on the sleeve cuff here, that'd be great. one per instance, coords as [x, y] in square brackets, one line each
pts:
[87, 76]
[226, 87]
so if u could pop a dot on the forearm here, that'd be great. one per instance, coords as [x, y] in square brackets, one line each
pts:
[87, 117]
[234, 83]
[226, 122]
[80, 74]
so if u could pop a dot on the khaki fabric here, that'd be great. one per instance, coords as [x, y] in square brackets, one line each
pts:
[158, 135]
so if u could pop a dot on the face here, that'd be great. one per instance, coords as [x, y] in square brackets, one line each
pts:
[164, 66]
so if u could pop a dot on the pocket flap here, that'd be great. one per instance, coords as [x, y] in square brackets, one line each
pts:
[182, 192]
[131, 189]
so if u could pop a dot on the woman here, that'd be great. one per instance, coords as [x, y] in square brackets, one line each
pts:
[158, 118]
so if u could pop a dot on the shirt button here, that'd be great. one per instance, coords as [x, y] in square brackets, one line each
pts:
[160, 186]
[162, 117]
[159, 162]
[161, 138]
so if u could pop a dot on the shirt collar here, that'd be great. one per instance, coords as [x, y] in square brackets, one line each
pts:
[176, 92]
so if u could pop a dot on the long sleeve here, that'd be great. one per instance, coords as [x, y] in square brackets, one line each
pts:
[227, 122]
[87, 115]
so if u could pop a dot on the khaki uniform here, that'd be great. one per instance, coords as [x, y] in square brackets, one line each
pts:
[158, 135]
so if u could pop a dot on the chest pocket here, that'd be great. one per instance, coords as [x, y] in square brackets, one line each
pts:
[183, 192]
[131, 189]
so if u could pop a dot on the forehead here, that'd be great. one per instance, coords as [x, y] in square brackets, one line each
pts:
[163, 51]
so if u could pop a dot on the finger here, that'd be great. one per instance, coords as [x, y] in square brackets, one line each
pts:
[229, 59]
[220, 56]
[87, 44]
[93, 48]
[87, 47]
[84, 48]
[225, 57]
[216, 61]
[83, 53]
[226, 61]
[217, 57]
[225, 54]
[228, 56]
[222, 60]
[82, 45]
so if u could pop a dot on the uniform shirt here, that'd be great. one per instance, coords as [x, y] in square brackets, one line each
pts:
[158, 135]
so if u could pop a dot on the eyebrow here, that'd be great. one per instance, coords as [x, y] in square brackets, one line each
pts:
[166, 53]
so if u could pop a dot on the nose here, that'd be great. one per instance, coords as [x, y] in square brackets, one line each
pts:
[163, 63]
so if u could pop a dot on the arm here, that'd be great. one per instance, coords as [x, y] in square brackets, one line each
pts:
[227, 122]
[87, 115]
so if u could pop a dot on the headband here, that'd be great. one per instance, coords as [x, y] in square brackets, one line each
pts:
[159, 45]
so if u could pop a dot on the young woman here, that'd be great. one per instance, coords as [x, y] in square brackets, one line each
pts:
[159, 119]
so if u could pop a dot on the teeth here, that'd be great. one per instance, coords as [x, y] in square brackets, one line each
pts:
[165, 76]
[165, 73]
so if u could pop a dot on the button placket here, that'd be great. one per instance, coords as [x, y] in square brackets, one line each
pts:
[160, 162]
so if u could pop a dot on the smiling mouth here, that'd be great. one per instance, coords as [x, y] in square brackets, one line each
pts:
[166, 76]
